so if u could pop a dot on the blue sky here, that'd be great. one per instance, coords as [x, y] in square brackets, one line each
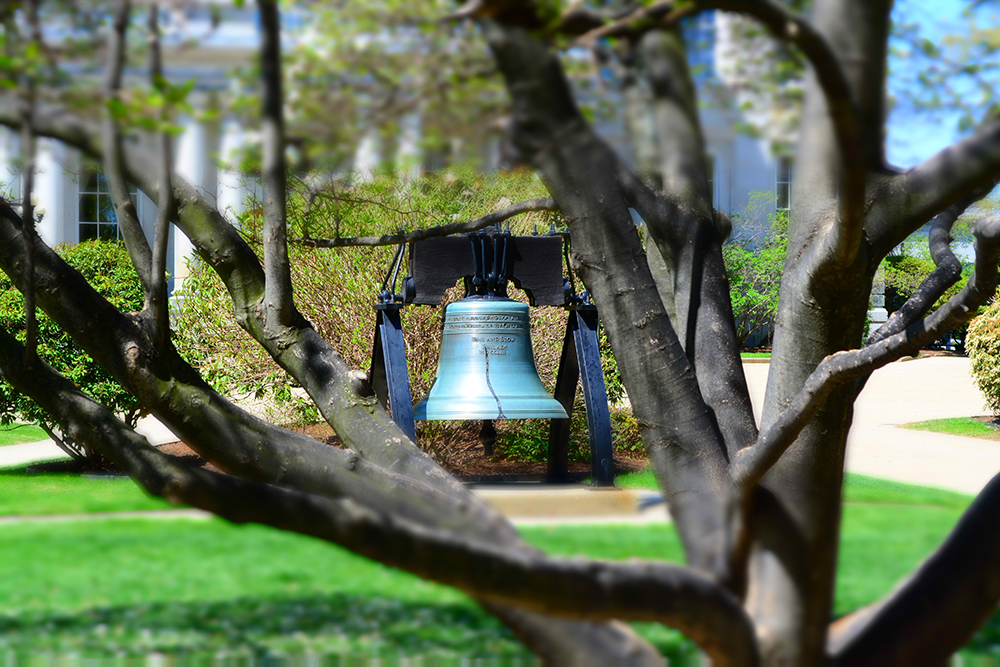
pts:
[913, 138]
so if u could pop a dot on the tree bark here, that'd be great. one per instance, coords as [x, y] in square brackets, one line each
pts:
[683, 441]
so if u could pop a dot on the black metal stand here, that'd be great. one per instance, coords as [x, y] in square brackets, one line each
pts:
[535, 267]
[389, 377]
[581, 360]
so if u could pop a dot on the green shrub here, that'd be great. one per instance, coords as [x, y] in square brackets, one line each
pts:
[107, 267]
[335, 290]
[903, 274]
[983, 347]
[754, 259]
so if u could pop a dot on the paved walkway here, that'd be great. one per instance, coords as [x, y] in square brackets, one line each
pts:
[916, 390]
[909, 391]
[46, 450]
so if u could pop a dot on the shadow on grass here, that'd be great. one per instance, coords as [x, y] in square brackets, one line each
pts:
[341, 626]
[338, 624]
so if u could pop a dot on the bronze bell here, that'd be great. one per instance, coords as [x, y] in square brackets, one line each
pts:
[486, 369]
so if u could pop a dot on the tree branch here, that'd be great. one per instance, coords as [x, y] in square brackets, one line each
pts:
[841, 367]
[27, 118]
[493, 218]
[278, 286]
[906, 201]
[125, 213]
[363, 425]
[156, 298]
[959, 582]
[678, 428]
[947, 273]
[788, 26]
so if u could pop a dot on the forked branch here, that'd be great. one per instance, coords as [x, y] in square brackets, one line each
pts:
[930, 187]
[751, 463]
[788, 26]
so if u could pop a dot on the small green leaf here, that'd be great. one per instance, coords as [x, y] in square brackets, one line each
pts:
[117, 108]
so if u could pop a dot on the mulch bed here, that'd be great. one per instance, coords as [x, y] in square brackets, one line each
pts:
[461, 455]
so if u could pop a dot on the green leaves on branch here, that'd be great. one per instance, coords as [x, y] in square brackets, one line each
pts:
[754, 259]
[154, 109]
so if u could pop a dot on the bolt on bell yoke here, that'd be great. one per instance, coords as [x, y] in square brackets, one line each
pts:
[486, 368]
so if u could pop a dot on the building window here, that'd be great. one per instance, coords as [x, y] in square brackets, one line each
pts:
[97, 212]
[783, 184]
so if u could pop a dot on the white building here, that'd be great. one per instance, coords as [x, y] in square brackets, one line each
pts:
[76, 202]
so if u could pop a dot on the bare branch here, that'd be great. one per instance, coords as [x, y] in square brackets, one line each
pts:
[906, 201]
[638, 21]
[751, 463]
[156, 298]
[125, 213]
[846, 235]
[947, 273]
[529, 206]
[959, 582]
[303, 353]
[27, 113]
[278, 285]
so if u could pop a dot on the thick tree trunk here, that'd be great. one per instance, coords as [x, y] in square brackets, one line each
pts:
[821, 310]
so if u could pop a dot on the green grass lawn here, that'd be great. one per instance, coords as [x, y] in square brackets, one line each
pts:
[967, 426]
[65, 493]
[199, 587]
[15, 434]
[755, 355]
[857, 489]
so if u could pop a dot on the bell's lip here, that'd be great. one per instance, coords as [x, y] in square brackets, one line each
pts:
[446, 410]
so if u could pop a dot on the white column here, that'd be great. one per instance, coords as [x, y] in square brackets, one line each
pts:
[50, 184]
[10, 181]
[194, 164]
[366, 157]
[410, 156]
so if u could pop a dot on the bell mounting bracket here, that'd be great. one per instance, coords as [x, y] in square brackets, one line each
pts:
[489, 262]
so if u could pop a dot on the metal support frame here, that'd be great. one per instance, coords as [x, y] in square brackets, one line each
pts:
[535, 269]
[389, 376]
[581, 360]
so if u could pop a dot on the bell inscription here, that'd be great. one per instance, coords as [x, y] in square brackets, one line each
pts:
[486, 369]
[465, 323]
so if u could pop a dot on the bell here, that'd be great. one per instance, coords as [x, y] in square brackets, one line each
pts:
[486, 369]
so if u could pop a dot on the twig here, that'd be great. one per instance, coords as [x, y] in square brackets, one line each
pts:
[156, 299]
[278, 281]
[541, 204]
